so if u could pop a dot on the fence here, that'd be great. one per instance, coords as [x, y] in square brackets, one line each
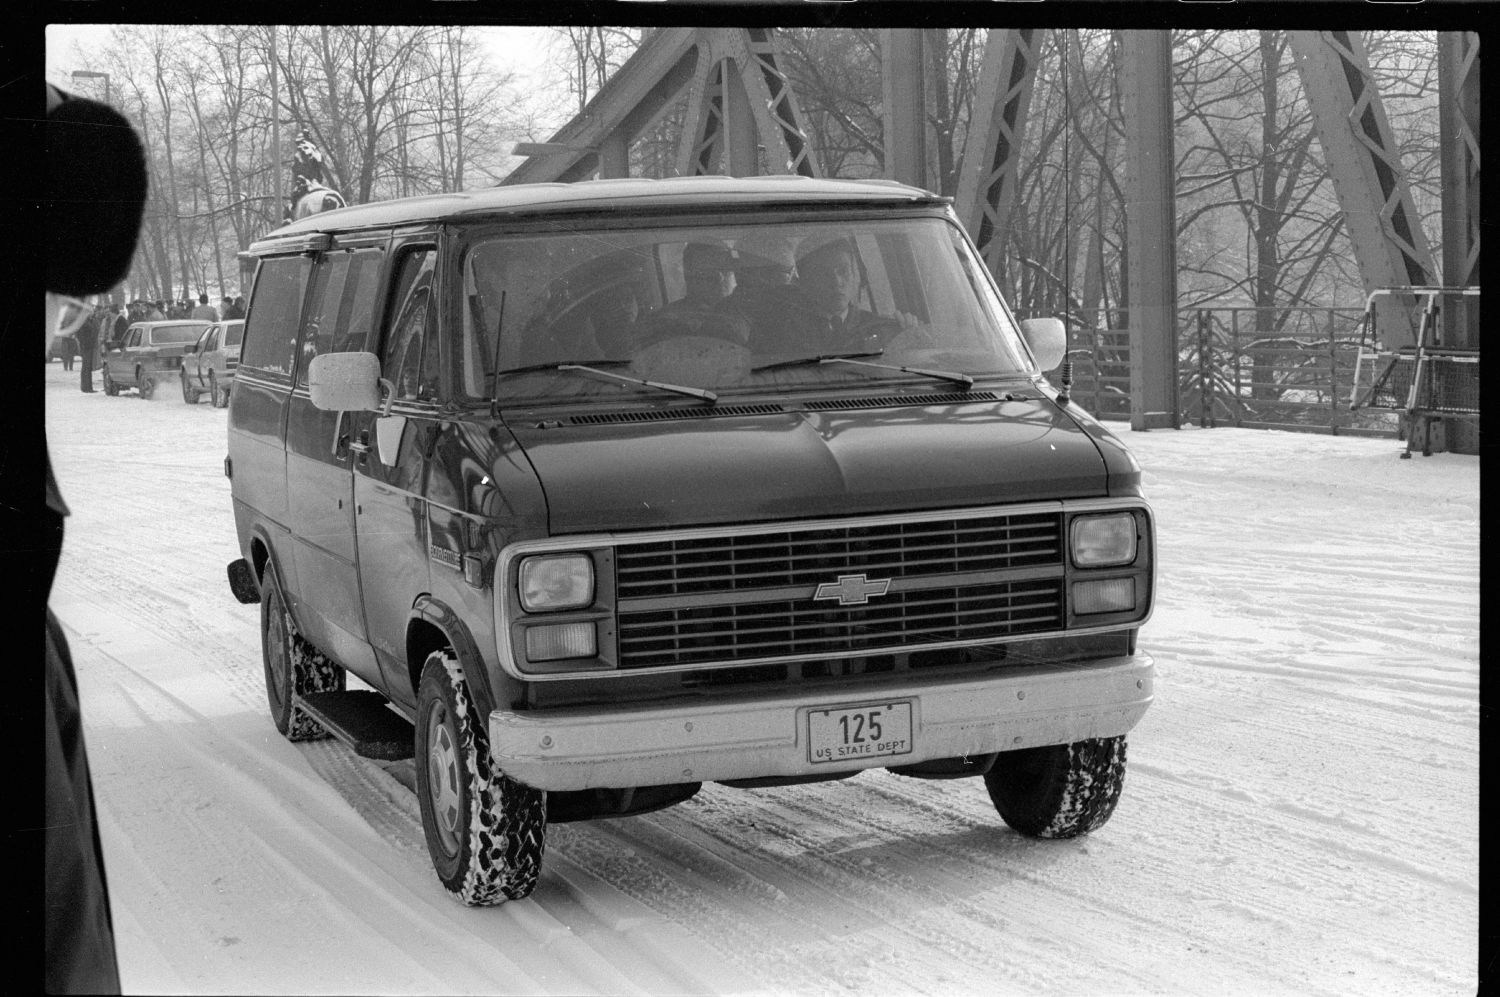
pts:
[1233, 371]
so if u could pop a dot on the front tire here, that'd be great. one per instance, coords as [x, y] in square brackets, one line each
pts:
[189, 393]
[485, 831]
[109, 386]
[292, 666]
[1060, 790]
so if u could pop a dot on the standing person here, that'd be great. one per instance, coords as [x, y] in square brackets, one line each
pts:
[204, 309]
[95, 190]
[239, 307]
[88, 348]
[226, 306]
[122, 323]
[69, 347]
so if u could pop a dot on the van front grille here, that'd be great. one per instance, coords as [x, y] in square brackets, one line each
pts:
[756, 596]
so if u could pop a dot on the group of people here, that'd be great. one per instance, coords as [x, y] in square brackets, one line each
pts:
[160, 311]
[105, 323]
[764, 295]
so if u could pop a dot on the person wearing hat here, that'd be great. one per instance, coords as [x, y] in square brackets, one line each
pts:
[95, 191]
[708, 279]
[762, 298]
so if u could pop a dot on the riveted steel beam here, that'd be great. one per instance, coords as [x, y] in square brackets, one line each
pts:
[629, 102]
[1150, 211]
[906, 82]
[988, 178]
[720, 133]
[1458, 130]
[738, 102]
[1365, 163]
[771, 100]
[1458, 101]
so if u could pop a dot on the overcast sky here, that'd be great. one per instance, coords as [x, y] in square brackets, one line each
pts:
[523, 49]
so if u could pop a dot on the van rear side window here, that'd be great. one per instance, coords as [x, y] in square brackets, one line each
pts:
[275, 313]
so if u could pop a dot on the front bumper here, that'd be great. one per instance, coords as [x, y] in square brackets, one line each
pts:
[746, 738]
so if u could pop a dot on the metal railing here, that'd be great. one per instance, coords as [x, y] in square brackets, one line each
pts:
[1264, 368]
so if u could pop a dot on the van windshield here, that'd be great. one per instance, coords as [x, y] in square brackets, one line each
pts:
[817, 300]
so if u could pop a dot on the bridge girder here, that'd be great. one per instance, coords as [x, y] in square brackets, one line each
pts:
[738, 96]
[743, 118]
[991, 160]
[1365, 162]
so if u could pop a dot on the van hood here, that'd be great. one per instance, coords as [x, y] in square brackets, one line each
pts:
[709, 468]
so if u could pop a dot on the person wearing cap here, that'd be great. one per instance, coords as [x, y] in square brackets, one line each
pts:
[762, 298]
[95, 191]
[708, 279]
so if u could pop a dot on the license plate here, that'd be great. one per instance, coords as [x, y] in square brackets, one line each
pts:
[845, 733]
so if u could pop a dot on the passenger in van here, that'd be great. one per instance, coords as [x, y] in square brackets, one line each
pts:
[762, 296]
[830, 322]
[591, 312]
[611, 316]
[708, 278]
[707, 274]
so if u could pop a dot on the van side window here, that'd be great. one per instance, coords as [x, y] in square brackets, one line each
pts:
[341, 304]
[410, 358]
[275, 311]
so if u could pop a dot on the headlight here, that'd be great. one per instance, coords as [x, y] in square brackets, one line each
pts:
[551, 582]
[1101, 541]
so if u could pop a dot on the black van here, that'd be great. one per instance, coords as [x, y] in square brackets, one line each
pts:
[606, 490]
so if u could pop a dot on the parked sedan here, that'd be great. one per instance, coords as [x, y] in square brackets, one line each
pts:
[209, 365]
[149, 353]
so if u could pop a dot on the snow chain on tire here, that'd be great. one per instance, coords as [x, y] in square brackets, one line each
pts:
[506, 833]
[312, 671]
[1059, 791]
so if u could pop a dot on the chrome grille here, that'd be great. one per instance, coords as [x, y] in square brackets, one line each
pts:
[750, 597]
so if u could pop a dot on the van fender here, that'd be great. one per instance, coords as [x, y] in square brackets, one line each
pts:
[263, 567]
[439, 615]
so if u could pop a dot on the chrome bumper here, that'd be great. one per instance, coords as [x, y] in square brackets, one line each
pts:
[585, 748]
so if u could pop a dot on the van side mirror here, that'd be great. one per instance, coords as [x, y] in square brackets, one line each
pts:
[1048, 340]
[345, 382]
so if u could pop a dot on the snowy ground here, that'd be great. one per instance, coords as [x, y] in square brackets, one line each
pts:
[1301, 813]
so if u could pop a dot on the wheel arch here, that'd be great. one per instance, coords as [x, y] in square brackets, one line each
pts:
[433, 626]
[260, 552]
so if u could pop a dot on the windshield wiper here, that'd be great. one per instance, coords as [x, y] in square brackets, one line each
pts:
[820, 358]
[680, 389]
[561, 365]
[854, 359]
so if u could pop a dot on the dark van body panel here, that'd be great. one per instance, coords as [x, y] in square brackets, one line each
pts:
[617, 488]
[259, 458]
[707, 471]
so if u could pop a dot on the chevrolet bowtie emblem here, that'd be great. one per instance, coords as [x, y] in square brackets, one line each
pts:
[852, 590]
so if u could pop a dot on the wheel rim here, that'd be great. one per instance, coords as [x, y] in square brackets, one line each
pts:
[444, 775]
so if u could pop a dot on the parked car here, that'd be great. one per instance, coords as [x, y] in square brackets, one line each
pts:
[150, 353]
[597, 529]
[209, 365]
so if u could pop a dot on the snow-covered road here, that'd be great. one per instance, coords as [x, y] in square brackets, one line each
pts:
[1301, 813]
